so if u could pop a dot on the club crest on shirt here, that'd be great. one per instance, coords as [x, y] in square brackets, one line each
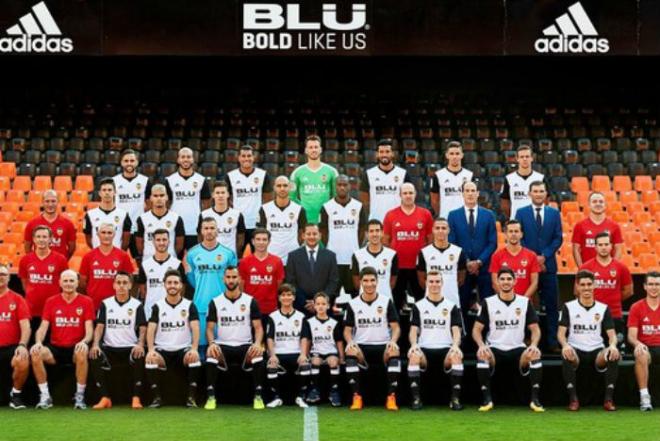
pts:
[138, 186]
[194, 184]
[296, 323]
[116, 219]
[324, 177]
[12, 306]
[420, 225]
[518, 312]
[596, 317]
[269, 268]
[168, 224]
[396, 179]
[291, 216]
[129, 312]
[115, 263]
[243, 308]
[451, 257]
[385, 262]
[524, 262]
[230, 220]
[353, 212]
[51, 268]
[184, 313]
[445, 312]
[379, 310]
[59, 231]
[612, 273]
[329, 328]
[218, 257]
[79, 311]
[256, 179]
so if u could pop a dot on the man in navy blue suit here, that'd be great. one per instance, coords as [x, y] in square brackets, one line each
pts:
[542, 234]
[473, 229]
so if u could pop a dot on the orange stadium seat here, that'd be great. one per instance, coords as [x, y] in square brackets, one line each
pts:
[92, 205]
[628, 261]
[74, 263]
[6, 217]
[657, 182]
[84, 183]
[24, 216]
[62, 197]
[35, 196]
[34, 207]
[647, 261]
[621, 183]
[600, 183]
[8, 169]
[579, 183]
[23, 183]
[74, 207]
[654, 207]
[42, 183]
[654, 237]
[648, 228]
[63, 183]
[643, 183]
[7, 249]
[79, 196]
[17, 196]
[13, 237]
[620, 216]
[634, 207]
[569, 207]
[632, 237]
[641, 217]
[613, 206]
[573, 218]
[17, 227]
[626, 197]
[5, 183]
[656, 247]
[650, 196]
[2, 196]
[639, 248]
[11, 207]
[610, 196]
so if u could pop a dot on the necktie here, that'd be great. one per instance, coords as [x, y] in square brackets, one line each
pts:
[312, 262]
[539, 221]
[471, 220]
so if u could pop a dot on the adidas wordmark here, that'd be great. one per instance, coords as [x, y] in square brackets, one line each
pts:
[36, 31]
[573, 32]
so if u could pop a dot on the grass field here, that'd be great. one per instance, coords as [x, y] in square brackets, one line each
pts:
[241, 423]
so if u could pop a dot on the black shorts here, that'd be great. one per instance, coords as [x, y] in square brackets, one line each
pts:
[323, 357]
[435, 358]
[288, 363]
[118, 356]
[7, 353]
[62, 355]
[510, 358]
[173, 358]
[373, 354]
[655, 354]
[588, 359]
[235, 356]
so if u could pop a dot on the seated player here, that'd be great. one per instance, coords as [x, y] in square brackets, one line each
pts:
[505, 317]
[644, 335]
[322, 340]
[173, 338]
[283, 331]
[371, 333]
[70, 319]
[119, 338]
[14, 337]
[232, 320]
[435, 340]
[581, 327]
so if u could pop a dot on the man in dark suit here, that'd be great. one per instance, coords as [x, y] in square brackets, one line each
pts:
[542, 234]
[311, 269]
[473, 229]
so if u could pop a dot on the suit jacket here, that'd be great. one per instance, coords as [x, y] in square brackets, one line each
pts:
[479, 244]
[325, 277]
[545, 241]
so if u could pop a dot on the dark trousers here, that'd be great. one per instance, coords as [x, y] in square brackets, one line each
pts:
[549, 292]
[483, 285]
[345, 279]
[406, 281]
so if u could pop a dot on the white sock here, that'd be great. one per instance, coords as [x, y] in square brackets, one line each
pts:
[43, 389]
[643, 392]
[80, 388]
[15, 391]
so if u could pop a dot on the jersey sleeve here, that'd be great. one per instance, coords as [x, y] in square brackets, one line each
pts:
[261, 221]
[387, 225]
[255, 313]
[70, 231]
[435, 184]
[128, 225]
[140, 317]
[212, 313]
[531, 317]
[89, 312]
[47, 313]
[84, 265]
[626, 277]
[354, 266]
[240, 227]
[494, 265]
[462, 261]
[266, 186]
[154, 314]
[633, 317]
[392, 315]
[394, 271]
[302, 218]
[101, 314]
[27, 233]
[616, 235]
[140, 227]
[506, 190]
[147, 190]
[142, 276]
[483, 314]
[421, 262]
[193, 314]
[323, 222]
[535, 266]
[564, 317]
[206, 190]
[416, 319]
[22, 268]
[608, 321]
[199, 223]
[349, 316]
[306, 331]
[270, 328]
[127, 263]
[23, 310]
[364, 181]
[168, 190]
[87, 225]
[578, 237]
[456, 317]
[179, 228]
[338, 332]
[281, 273]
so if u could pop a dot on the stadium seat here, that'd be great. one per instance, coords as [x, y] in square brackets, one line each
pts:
[42, 183]
[639, 248]
[621, 184]
[632, 237]
[620, 216]
[5, 183]
[600, 183]
[648, 262]
[627, 197]
[62, 183]
[579, 184]
[22, 183]
[84, 183]
[643, 183]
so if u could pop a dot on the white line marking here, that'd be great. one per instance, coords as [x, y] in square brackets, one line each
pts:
[582, 19]
[566, 25]
[30, 25]
[46, 19]
[311, 424]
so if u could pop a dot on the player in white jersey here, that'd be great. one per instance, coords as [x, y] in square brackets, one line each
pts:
[371, 332]
[445, 257]
[343, 221]
[189, 193]
[380, 185]
[235, 334]
[173, 338]
[133, 188]
[250, 188]
[447, 183]
[322, 342]
[505, 317]
[515, 193]
[231, 226]
[378, 256]
[435, 340]
[283, 339]
[582, 323]
[158, 218]
[284, 219]
[152, 270]
[107, 213]
[119, 339]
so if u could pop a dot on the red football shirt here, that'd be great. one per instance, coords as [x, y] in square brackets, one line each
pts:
[261, 278]
[585, 232]
[647, 322]
[67, 320]
[13, 309]
[609, 283]
[41, 277]
[63, 232]
[524, 264]
[101, 269]
[408, 233]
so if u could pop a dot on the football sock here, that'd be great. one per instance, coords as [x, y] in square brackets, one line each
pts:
[211, 376]
[483, 374]
[568, 371]
[353, 374]
[610, 379]
[415, 378]
[535, 376]
[393, 371]
[455, 379]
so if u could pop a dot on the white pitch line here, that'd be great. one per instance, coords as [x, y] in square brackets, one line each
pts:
[311, 424]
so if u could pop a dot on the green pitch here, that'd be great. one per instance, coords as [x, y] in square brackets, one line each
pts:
[234, 423]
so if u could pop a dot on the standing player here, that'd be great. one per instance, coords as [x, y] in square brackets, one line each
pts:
[283, 338]
[250, 188]
[505, 317]
[515, 193]
[521, 260]
[262, 272]
[343, 221]
[284, 219]
[371, 332]
[158, 218]
[445, 257]
[206, 268]
[63, 238]
[380, 186]
[313, 184]
[322, 342]
[435, 340]
[407, 229]
[119, 338]
[99, 267]
[40, 271]
[70, 319]
[231, 228]
[235, 336]
[613, 282]
[585, 231]
[581, 327]
[153, 269]
[189, 193]
[173, 338]
[14, 337]
[447, 183]
[376, 255]
[107, 213]
[644, 335]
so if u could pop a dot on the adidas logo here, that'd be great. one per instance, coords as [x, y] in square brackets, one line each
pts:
[573, 32]
[36, 31]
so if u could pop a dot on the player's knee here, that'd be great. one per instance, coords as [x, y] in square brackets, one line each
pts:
[642, 357]
[414, 359]
[456, 358]
[80, 357]
[352, 352]
[35, 356]
[316, 361]
[20, 364]
[333, 362]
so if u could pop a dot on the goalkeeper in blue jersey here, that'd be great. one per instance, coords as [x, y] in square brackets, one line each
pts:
[207, 263]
